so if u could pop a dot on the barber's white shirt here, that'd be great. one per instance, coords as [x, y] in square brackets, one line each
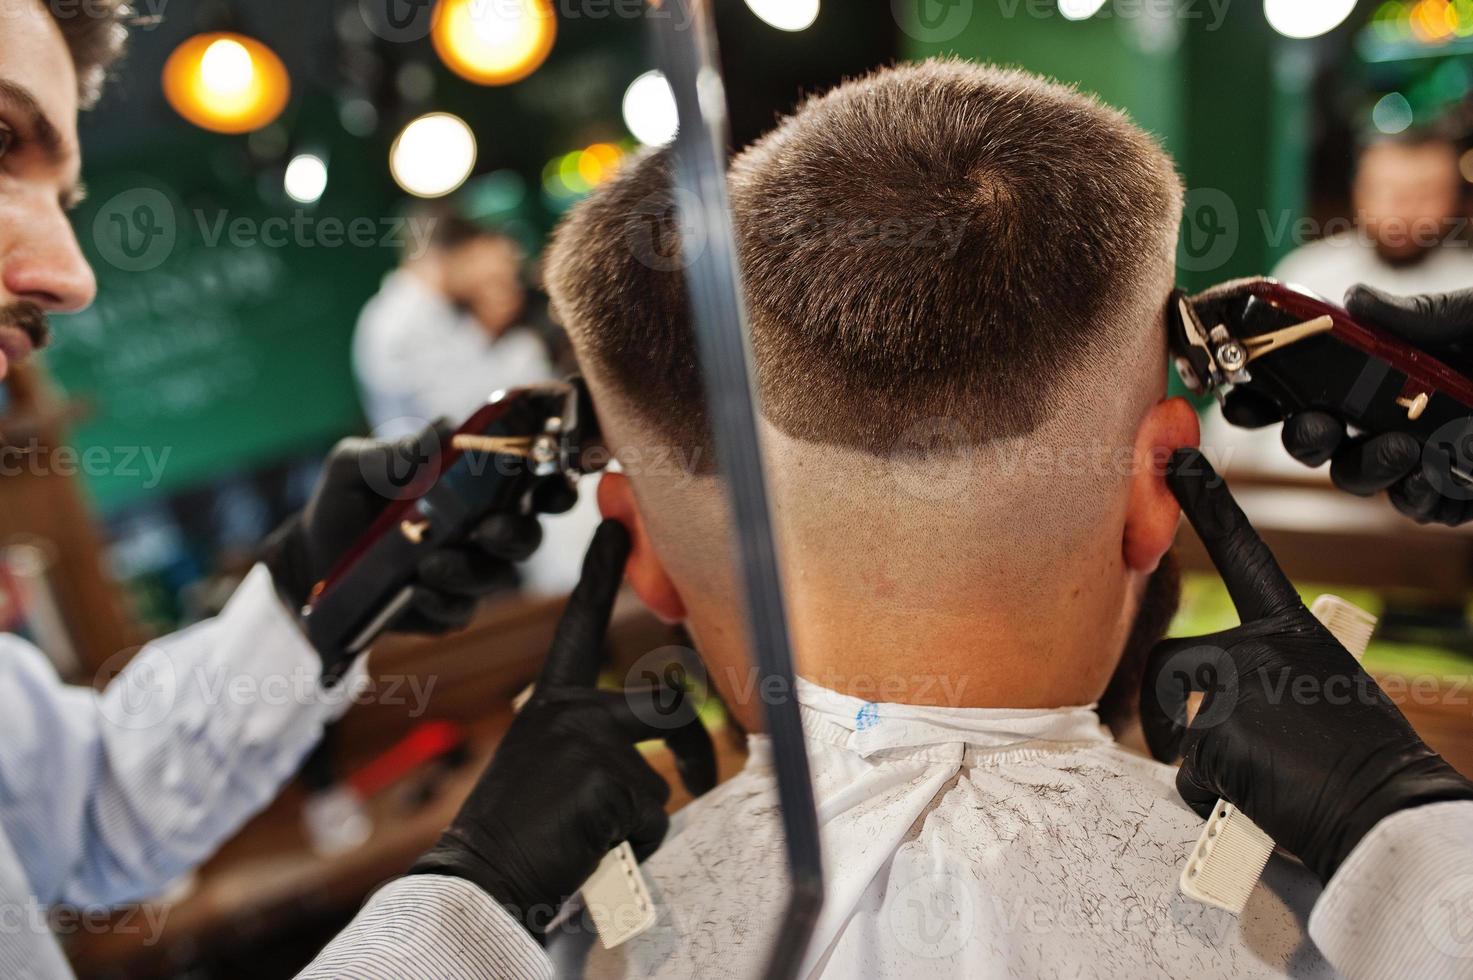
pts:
[1329, 267]
[970, 843]
[105, 798]
[418, 358]
[1332, 265]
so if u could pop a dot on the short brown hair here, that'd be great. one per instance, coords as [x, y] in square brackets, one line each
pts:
[939, 240]
[96, 32]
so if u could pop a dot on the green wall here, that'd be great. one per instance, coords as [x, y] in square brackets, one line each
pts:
[1199, 75]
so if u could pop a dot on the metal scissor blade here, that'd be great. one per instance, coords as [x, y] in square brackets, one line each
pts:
[687, 56]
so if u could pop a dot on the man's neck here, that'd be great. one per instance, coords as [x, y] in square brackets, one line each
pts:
[1057, 652]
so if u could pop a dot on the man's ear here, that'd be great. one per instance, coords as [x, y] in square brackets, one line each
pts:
[646, 575]
[1153, 514]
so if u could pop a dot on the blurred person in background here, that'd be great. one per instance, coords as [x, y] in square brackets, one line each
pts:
[446, 330]
[1410, 212]
[1410, 209]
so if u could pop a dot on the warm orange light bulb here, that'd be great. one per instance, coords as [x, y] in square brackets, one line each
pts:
[226, 83]
[494, 43]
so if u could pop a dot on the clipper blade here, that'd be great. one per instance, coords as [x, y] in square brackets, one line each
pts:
[1232, 852]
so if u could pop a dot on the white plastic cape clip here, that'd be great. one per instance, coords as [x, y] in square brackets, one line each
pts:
[1232, 852]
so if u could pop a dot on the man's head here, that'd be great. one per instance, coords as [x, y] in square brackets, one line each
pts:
[1407, 193]
[52, 61]
[477, 268]
[956, 277]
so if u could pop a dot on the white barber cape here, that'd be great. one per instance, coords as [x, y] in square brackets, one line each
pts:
[107, 798]
[967, 843]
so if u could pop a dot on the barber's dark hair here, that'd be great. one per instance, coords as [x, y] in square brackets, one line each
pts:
[450, 228]
[96, 33]
[943, 240]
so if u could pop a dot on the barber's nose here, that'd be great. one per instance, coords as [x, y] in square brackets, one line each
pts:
[47, 268]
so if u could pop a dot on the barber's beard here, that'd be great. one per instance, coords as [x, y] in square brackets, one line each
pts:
[29, 319]
[1120, 704]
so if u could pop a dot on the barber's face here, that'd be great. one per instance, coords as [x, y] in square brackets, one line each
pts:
[41, 266]
[1407, 196]
[484, 276]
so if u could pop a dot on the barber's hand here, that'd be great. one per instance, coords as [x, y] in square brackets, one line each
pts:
[1392, 461]
[567, 784]
[1291, 730]
[359, 479]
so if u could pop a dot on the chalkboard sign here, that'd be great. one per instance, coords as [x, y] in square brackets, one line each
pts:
[220, 337]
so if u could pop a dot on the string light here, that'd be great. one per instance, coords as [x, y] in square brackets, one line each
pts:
[1306, 18]
[649, 109]
[494, 42]
[306, 178]
[433, 155]
[1079, 9]
[226, 83]
[785, 15]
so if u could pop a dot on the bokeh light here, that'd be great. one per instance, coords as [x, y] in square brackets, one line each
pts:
[568, 177]
[494, 43]
[786, 15]
[649, 109]
[306, 178]
[226, 83]
[1306, 18]
[1392, 114]
[433, 155]
[1079, 9]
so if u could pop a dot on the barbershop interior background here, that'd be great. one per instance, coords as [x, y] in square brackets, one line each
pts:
[260, 169]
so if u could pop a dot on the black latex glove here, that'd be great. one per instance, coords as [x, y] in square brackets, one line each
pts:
[1393, 461]
[359, 479]
[1290, 729]
[566, 785]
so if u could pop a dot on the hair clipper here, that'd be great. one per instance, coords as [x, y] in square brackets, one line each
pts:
[1302, 352]
[491, 464]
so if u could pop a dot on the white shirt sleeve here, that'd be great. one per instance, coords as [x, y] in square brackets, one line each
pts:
[431, 927]
[107, 797]
[1402, 904]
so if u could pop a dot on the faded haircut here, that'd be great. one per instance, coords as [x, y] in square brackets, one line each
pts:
[937, 240]
[96, 31]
